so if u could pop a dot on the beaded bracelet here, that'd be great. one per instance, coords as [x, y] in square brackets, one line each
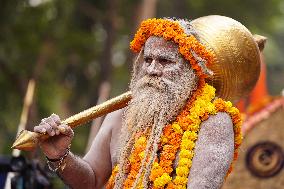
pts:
[59, 160]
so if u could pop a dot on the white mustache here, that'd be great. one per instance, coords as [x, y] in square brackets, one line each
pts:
[173, 85]
[159, 83]
[148, 81]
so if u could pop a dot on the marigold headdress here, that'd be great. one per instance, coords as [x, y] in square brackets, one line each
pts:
[189, 46]
[227, 47]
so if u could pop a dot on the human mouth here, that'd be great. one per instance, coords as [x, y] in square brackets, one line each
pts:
[149, 82]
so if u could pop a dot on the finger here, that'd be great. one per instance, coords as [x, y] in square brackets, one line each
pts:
[53, 125]
[62, 129]
[40, 129]
[43, 120]
[66, 130]
[51, 122]
[48, 128]
[56, 119]
[57, 132]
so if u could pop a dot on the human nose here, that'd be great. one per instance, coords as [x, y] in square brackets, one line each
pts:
[154, 69]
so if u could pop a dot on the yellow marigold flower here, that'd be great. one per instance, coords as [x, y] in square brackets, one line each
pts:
[211, 108]
[141, 140]
[180, 180]
[198, 112]
[209, 91]
[155, 165]
[187, 144]
[193, 127]
[192, 135]
[185, 162]
[194, 120]
[233, 111]
[182, 171]
[142, 155]
[203, 103]
[194, 115]
[186, 154]
[164, 140]
[180, 187]
[177, 128]
[132, 159]
[228, 104]
[156, 173]
[162, 180]
[197, 101]
[115, 169]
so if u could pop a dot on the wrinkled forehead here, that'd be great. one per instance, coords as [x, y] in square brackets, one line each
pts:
[159, 46]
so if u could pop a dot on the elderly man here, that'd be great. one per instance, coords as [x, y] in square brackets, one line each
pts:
[174, 133]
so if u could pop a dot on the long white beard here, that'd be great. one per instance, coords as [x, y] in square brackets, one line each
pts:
[156, 101]
[158, 98]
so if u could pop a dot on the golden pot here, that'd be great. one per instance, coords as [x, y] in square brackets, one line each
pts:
[237, 58]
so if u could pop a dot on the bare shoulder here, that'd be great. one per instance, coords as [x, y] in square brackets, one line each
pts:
[218, 125]
[217, 132]
[113, 121]
[112, 126]
[110, 130]
[221, 118]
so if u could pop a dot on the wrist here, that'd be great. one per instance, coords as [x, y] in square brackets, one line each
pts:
[53, 159]
[59, 163]
[53, 154]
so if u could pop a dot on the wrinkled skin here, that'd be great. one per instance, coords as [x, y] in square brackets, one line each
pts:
[214, 147]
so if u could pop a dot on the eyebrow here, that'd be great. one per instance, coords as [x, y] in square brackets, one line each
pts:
[169, 56]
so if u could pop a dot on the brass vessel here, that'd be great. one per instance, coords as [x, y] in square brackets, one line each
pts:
[237, 58]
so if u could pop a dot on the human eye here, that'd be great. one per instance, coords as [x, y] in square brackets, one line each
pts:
[148, 60]
[165, 61]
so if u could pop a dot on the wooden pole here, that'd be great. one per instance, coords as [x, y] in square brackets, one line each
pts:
[22, 125]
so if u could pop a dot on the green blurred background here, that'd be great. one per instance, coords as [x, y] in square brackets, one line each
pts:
[70, 47]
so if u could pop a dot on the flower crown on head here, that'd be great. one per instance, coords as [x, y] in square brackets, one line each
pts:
[192, 50]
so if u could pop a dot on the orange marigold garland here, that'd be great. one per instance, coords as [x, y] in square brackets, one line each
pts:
[190, 122]
[181, 134]
[135, 160]
[162, 168]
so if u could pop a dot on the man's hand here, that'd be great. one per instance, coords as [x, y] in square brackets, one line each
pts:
[60, 134]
